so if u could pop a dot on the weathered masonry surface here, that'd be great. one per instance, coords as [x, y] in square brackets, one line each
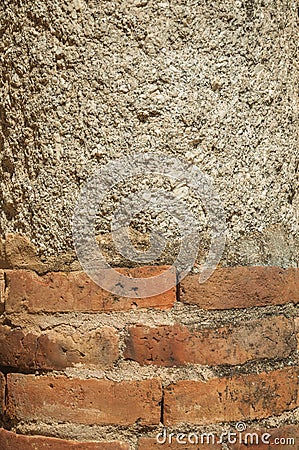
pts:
[82, 368]
[83, 83]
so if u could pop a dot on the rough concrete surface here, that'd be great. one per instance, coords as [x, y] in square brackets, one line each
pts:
[214, 82]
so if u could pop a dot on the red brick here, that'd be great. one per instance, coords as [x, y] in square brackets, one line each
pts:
[53, 350]
[2, 393]
[242, 287]
[253, 438]
[242, 397]
[91, 401]
[178, 345]
[13, 441]
[75, 291]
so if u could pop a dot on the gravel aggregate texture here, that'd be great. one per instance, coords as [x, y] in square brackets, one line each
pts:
[213, 82]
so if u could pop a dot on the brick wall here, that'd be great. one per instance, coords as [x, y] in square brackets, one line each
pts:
[84, 369]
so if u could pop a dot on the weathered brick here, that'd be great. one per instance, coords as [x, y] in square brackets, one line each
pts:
[178, 345]
[75, 291]
[91, 401]
[242, 287]
[2, 393]
[241, 397]
[13, 441]
[53, 350]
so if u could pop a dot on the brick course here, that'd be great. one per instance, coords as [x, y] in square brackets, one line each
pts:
[241, 397]
[90, 401]
[242, 287]
[234, 344]
[56, 351]
[75, 291]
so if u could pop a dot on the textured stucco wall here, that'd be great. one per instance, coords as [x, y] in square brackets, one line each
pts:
[85, 82]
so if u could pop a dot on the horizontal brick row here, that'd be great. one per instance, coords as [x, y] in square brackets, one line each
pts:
[13, 441]
[75, 291]
[91, 401]
[241, 397]
[104, 402]
[177, 345]
[242, 287]
[231, 287]
[285, 437]
[57, 350]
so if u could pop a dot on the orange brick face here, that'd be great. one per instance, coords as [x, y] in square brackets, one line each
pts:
[90, 401]
[53, 350]
[178, 345]
[13, 441]
[242, 397]
[242, 287]
[75, 291]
